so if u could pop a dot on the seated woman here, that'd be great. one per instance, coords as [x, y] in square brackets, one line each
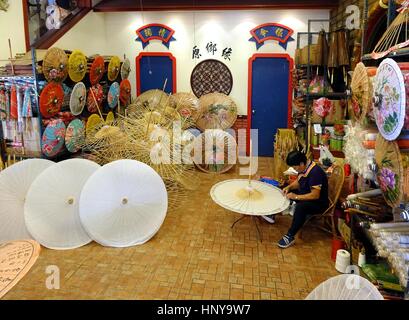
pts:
[309, 191]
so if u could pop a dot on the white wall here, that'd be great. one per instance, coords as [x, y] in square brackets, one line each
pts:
[114, 33]
[12, 27]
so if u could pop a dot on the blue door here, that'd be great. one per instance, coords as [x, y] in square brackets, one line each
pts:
[152, 70]
[270, 97]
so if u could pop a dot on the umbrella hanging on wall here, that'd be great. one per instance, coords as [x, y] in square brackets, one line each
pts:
[113, 68]
[217, 111]
[78, 98]
[52, 142]
[125, 69]
[51, 99]
[14, 184]
[77, 66]
[133, 208]
[113, 95]
[74, 135]
[52, 207]
[55, 65]
[125, 92]
[98, 92]
[96, 70]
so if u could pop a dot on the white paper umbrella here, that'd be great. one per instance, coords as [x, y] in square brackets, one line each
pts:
[123, 204]
[257, 198]
[51, 209]
[14, 184]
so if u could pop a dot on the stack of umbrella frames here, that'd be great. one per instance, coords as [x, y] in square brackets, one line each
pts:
[60, 206]
[78, 87]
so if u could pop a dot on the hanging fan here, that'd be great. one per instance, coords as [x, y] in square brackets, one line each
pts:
[94, 121]
[125, 69]
[389, 99]
[52, 141]
[16, 259]
[51, 210]
[99, 97]
[110, 118]
[78, 98]
[14, 184]
[55, 65]
[77, 65]
[217, 111]
[133, 208]
[361, 87]
[51, 99]
[396, 36]
[74, 135]
[125, 92]
[113, 68]
[215, 151]
[113, 95]
[187, 105]
[390, 170]
[97, 70]
[345, 287]
[251, 198]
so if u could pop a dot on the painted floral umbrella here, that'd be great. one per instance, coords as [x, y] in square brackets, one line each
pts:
[390, 170]
[113, 68]
[215, 151]
[113, 95]
[187, 105]
[217, 111]
[99, 97]
[323, 107]
[77, 66]
[51, 99]
[125, 92]
[389, 99]
[78, 98]
[97, 70]
[55, 65]
[125, 69]
[74, 136]
[53, 138]
[362, 89]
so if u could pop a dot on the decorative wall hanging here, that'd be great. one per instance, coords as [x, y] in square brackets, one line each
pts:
[271, 31]
[14, 184]
[97, 70]
[155, 31]
[211, 76]
[78, 98]
[51, 99]
[77, 65]
[98, 93]
[113, 95]
[113, 68]
[125, 69]
[16, 259]
[74, 136]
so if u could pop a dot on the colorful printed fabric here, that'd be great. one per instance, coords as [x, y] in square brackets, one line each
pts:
[53, 138]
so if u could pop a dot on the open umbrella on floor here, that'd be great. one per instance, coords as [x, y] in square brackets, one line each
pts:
[14, 184]
[133, 206]
[52, 204]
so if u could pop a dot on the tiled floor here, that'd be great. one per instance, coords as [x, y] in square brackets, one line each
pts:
[195, 255]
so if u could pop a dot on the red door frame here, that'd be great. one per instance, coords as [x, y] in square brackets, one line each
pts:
[250, 80]
[154, 54]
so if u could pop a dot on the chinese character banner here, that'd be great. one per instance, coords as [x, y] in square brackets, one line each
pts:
[155, 31]
[272, 31]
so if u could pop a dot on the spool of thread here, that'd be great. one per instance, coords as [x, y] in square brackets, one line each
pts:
[361, 259]
[342, 261]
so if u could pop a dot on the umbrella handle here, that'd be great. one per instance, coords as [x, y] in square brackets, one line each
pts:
[96, 103]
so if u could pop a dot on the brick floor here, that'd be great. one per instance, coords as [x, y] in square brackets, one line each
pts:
[195, 255]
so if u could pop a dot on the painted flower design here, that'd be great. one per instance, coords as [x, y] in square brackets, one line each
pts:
[185, 112]
[387, 179]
